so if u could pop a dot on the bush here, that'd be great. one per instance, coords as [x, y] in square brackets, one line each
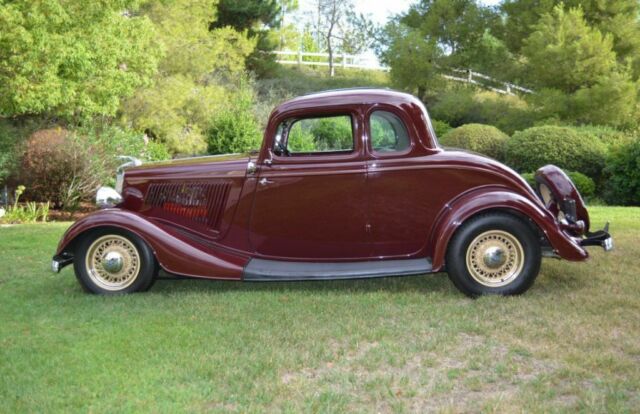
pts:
[114, 141]
[623, 175]
[585, 185]
[440, 127]
[59, 167]
[484, 139]
[233, 132]
[608, 136]
[563, 146]
[466, 105]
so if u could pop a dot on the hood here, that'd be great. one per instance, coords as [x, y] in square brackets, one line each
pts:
[209, 159]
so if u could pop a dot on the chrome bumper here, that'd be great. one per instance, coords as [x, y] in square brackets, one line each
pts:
[60, 261]
[600, 238]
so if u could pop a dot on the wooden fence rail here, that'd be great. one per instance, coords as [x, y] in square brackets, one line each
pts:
[343, 60]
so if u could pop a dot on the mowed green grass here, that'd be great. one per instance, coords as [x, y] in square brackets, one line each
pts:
[390, 345]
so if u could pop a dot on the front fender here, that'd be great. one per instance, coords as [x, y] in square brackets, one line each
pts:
[492, 199]
[176, 251]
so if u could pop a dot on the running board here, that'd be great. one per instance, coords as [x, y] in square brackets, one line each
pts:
[260, 270]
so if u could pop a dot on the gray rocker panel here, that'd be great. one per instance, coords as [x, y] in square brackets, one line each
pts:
[260, 270]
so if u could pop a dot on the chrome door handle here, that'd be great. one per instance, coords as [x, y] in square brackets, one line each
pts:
[264, 181]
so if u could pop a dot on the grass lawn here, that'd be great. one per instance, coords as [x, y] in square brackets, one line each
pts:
[390, 345]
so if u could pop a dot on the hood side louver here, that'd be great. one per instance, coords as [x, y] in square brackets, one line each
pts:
[200, 203]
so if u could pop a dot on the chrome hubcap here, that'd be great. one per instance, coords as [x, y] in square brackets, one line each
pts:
[495, 258]
[113, 262]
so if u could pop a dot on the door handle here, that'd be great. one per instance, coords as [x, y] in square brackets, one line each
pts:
[264, 181]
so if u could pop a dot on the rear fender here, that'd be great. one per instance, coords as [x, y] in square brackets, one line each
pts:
[498, 199]
[176, 252]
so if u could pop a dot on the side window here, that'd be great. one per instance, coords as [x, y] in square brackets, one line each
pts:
[388, 133]
[318, 135]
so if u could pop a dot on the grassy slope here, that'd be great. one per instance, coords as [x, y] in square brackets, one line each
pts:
[405, 344]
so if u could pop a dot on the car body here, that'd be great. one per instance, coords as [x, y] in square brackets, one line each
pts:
[346, 211]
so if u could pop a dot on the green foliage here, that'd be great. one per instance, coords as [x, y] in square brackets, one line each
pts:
[246, 14]
[198, 77]
[9, 141]
[30, 212]
[234, 130]
[566, 54]
[585, 185]
[300, 140]
[623, 175]
[407, 50]
[440, 127]
[72, 58]
[608, 136]
[456, 27]
[484, 139]
[575, 69]
[321, 134]
[114, 141]
[465, 105]
[562, 146]
[617, 18]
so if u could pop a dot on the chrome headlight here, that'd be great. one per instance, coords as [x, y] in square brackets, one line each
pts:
[119, 181]
[130, 162]
[107, 197]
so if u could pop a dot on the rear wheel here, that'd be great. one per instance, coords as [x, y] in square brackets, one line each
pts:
[112, 261]
[493, 254]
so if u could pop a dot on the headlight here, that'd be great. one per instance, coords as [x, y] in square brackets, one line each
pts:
[119, 181]
[107, 197]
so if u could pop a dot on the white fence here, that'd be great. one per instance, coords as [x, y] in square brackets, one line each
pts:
[343, 60]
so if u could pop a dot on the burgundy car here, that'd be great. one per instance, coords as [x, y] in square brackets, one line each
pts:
[348, 184]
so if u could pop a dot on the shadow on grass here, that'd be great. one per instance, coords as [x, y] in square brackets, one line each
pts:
[437, 282]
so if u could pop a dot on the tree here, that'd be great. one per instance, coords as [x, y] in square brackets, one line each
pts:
[575, 69]
[436, 34]
[618, 18]
[197, 80]
[71, 58]
[456, 26]
[412, 59]
[246, 14]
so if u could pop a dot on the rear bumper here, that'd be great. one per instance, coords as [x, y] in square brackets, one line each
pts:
[600, 238]
[60, 261]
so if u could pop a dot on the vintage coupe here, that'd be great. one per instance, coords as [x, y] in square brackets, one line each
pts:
[347, 184]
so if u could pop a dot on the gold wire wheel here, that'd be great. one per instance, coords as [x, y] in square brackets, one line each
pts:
[112, 262]
[495, 258]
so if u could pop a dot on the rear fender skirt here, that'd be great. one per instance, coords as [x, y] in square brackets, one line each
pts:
[175, 251]
[492, 199]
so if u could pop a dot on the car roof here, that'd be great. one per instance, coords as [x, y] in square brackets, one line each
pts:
[351, 96]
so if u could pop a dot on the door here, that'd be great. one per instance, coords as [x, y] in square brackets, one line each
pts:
[310, 202]
[400, 206]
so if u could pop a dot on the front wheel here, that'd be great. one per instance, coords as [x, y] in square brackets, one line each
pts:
[112, 261]
[493, 254]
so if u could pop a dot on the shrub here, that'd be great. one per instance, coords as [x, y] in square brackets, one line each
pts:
[58, 167]
[459, 106]
[585, 185]
[440, 127]
[114, 141]
[563, 146]
[623, 175]
[608, 136]
[233, 132]
[484, 139]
